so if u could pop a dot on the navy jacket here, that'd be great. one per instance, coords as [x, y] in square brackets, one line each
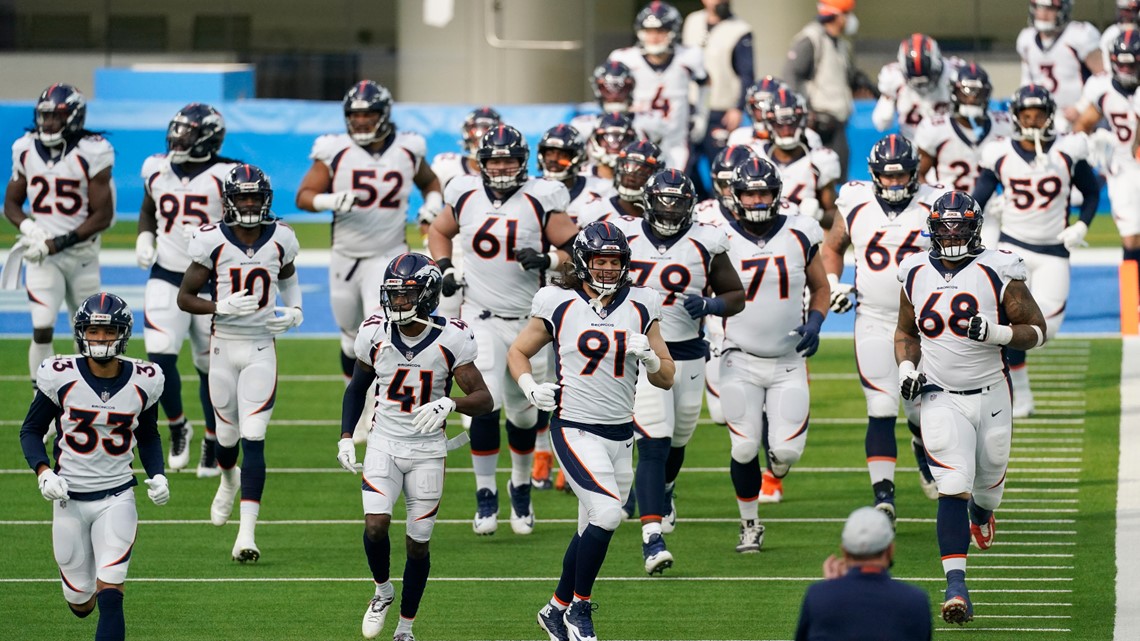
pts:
[865, 605]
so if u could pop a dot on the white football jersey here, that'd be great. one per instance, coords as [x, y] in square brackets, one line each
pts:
[411, 372]
[661, 95]
[57, 187]
[588, 189]
[253, 269]
[747, 135]
[677, 265]
[604, 208]
[94, 448]
[804, 176]
[491, 231]
[956, 149]
[1059, 66]
[911, 105]
[448, 165]
[596, 374]
[944, 301]
[382, 183]
[773, 270]
[1115, 104]
[882, 239]
[1036, 189]
[180, 199]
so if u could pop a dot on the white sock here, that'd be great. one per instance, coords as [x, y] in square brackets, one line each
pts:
[542, 443]
[249, 511]
[649, 529]
[749, 510]
[385, 590]
[405, 625]
[520, 468]
[558, 605]
[484, 465]
[38, 353]
[881, 469]
[953, 563]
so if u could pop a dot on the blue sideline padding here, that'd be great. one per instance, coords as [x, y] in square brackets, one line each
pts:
[215, 84]
[278, 134]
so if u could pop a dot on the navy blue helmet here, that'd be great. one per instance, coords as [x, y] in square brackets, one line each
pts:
[368, 97]
[757, 174]
[894, 154]
[658, 15]
[503, 141]
[724, 166]
[245, 180]
[635, 165]
[69, 109]
[475, 125]
[955, 226]
[601, 238]
[613, 86]
[1033, 96]
[670, 198]
[564, 138]
[103, 309]
[921, 61]
[195, 133]
[613, 132]
[410, 279]
[970, 91]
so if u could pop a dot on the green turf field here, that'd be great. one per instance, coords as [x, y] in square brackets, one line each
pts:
[315, 235]
[1047, 577]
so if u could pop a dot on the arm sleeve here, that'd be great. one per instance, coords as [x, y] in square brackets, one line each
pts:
[1084, 179]
[290, 291]
[355, 398]
[149, 442]
[40, 414]
[800, 65]
[743, 65]
[985, 186]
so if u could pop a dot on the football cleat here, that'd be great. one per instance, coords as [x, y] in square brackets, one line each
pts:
[540, 471]
[486, 512]
[751, 536]
[957, 607]
[926, 477]
[208, 463]
[669, 521]
[657, 558]
[771, 488]
[403, 636]
[374, 616]
[223, 504]
[522, 511]
[887, 506]
[983, 535]
[550, 619]
[180, 437]
[245, 550]
[629, 509]
[579, 619]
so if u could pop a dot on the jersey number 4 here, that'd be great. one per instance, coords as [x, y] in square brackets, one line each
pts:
[405, 395]
[117, 444]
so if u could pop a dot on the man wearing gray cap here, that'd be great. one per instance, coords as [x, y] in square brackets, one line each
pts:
[862, 601]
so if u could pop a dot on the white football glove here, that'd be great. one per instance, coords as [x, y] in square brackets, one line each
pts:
[810, 207]
[541, 396]
[339, 202]
[1073, 236]
[53, 486]
[840, 294]
[983, 331]
[288, 318]
[638, 345]
[36, 251]
[1102, 147]
[236, 304]
[910, 381]
[697, 128]
[158, 489]
[431, 417]
[433, 204]
[32, 231]
[346, 456]
[145, 252]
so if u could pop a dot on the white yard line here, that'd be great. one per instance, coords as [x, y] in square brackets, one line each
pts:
[1128, 495]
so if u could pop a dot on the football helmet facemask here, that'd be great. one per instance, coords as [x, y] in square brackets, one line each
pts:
[195, 134]
[411, 288]
[503, 141]
[970, 91]
[955, 227]
[723, 168]
[600, 238]
[670, 198]
[613, 133]
[477, 123]
[613, 86]
[571, 153]
[247, 197]
[894, 155]
[370, 98]
[103, 310]
[60, 113]
[635, 165]
[761, 176]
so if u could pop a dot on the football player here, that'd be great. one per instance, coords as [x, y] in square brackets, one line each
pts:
[1059, 53]
[103, 404]
[636, 163]
[561, 153]
[613, 133]
[64, 172]
[809, 175]
[663, 72]
[604, 331]
[763, 371]
[758, 98]
[365, 176]
[613, 84]
[411, 357]
[883, 220]
[950, 146]
[915, 87]
[960, 307]
[681, 260]
[183, 191]
[448, 165]
[510, 227]
[1037, 169]
[1127, 15]
[1112, 98]
[249, 260]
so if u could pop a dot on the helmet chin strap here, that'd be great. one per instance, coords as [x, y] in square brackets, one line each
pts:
[422, 321]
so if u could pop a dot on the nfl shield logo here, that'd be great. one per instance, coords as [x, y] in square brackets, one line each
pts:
[409, 354]
[249, 252]
[603, 313]
[105, 395]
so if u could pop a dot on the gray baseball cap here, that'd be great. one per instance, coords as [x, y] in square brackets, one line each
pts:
[867, 531]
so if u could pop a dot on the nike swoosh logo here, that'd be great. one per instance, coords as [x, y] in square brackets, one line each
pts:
[694, 377]
[789, 369]
[261, 348]
[993, 414]
[628, 445]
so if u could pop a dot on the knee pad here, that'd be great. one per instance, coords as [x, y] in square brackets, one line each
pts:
[995, 448]
[227, 435]
[253, 428]
[952, 483]
[607, 517]
[525, 418]
[744, 450]
[521, 440]
[880, 404]
[785, 456]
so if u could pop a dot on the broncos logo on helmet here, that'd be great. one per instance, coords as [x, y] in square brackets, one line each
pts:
[103, 310]
[411, 288]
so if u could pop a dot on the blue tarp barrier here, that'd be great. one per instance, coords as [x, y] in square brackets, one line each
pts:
[278, 134]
